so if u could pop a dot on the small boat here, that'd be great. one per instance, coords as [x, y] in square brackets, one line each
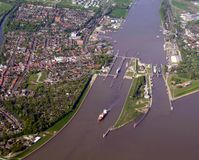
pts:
[155, 69]
[118, 70]
[102, 115]
[157, 36]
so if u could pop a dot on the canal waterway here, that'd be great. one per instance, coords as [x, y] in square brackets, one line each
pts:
[163, 135]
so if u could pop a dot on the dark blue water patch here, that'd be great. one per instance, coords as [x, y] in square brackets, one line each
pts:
[1, 34]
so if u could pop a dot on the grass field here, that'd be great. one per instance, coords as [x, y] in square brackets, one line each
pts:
[123, 3]
[121, 8]
[178, 92]
[119, 13]
[4, 7]
[35, 79]
[179, 5]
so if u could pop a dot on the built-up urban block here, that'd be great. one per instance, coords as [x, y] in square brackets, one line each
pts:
[48, 56]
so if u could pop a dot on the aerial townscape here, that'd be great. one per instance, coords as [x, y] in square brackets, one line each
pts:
[91, 79]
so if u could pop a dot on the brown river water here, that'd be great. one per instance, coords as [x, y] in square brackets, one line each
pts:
[163, 135]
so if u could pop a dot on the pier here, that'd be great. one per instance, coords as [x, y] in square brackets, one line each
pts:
[142, 118]
[107, 132]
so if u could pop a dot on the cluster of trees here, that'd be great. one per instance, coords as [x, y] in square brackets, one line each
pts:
[189, 67]
[138, 86]
[103, 59]
[12, 146]
[163, 9]
[19, 25]
[47, 106]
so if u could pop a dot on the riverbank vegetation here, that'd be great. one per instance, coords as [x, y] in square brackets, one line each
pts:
[180, 86]
[47, 106]
[179, 4]
[50, 133]
[121, 8]
[135, 104]
[119, 13]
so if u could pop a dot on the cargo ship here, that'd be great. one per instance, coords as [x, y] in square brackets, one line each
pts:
[102, 115]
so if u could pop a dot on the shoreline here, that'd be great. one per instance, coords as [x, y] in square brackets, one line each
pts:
[165, 77]
[84, 95]
[123, 107]
[185, 95]
[48, 136]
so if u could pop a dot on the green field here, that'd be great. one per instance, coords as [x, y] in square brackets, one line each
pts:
[121, 8]
[46, 2]
[133, 102]
[179, 5]
[119, 13]
[35, 80]
[178, 92]
[4, 7]
[123, 3]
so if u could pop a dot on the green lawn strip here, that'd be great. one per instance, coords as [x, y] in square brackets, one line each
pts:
[55, 128]
[132, 103]
[4, 7]
[179, 5]
[45, 2]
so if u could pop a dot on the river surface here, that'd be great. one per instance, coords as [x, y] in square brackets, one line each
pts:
[163, 135]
